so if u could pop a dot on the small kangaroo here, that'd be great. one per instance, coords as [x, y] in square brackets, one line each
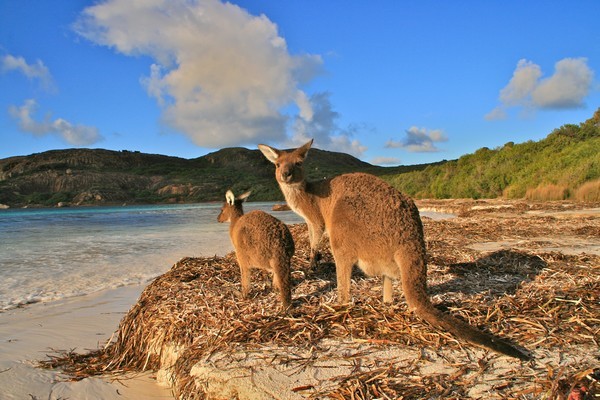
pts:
[260, 241]
[374, 226]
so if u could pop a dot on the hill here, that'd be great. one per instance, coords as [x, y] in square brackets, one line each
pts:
[566, 164]
[97, 176]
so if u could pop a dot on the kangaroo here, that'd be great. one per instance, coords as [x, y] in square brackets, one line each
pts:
[374, 226]
[260, 241]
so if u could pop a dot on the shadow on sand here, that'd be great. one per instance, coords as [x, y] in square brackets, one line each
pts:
[497, 273]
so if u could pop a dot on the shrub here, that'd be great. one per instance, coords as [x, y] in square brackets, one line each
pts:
[514, 191]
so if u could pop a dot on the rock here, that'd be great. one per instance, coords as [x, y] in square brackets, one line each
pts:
[281, 207]
[175, 189]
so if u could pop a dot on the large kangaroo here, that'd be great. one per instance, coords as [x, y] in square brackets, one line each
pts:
[372, 225]
[260, 241]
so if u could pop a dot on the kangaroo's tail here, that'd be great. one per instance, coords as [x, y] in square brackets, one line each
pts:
[469, 333]
[414, 286]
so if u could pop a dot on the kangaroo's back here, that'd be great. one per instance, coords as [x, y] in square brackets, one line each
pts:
[262, 237]
[370, 202]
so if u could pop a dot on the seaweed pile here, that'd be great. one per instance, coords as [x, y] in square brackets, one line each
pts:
[548, 302]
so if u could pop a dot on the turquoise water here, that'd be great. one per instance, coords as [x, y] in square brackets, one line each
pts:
[49, 254]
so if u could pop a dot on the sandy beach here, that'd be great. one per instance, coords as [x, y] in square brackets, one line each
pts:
[80, 324]
[526, 233]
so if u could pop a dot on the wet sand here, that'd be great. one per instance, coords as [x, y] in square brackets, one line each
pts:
[80, 324]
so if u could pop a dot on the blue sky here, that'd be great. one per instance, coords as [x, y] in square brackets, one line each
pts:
[391, 82]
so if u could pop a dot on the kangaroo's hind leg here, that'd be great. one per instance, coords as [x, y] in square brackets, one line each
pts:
[344, 261]
[343, 248]
[388, 290]
[282, 281]
[315, 235]
[245, 275]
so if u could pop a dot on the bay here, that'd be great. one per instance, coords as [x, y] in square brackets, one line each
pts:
[51, 254]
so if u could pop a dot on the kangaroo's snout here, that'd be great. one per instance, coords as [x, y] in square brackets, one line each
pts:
[290, 172]
[286, 175]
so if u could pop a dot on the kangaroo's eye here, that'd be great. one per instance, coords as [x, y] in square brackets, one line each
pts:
[299, 164]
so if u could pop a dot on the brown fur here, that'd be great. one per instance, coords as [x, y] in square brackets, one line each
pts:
[260, 241]
[372, 225]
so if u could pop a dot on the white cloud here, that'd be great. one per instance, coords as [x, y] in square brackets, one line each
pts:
[523, 82]
[31, 71]
[78, 135]
[303, 102]
[154, 84]
[419, 140]
[221, 75]
[323, 128]
[385, 161]
[497, 113]
[345, 144]
[566, 88]
[26, 122]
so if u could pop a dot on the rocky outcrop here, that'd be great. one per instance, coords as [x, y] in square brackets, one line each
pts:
[176, 189]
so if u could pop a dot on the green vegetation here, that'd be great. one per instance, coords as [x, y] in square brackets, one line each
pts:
[554, 168]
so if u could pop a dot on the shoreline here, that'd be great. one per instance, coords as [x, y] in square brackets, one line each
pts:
[83, 323]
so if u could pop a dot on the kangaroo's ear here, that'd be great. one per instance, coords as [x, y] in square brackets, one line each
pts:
[230, 197]
[269, 152]
[303, 151]
[244, 196]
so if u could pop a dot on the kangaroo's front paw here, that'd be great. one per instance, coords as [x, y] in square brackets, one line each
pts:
[314, 259]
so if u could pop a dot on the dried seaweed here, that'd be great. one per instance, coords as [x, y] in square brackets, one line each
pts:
[546, 301]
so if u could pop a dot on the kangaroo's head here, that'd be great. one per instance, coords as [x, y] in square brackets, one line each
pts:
[289, 169]
[232, 208]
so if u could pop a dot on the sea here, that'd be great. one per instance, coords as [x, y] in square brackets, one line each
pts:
[47, 254]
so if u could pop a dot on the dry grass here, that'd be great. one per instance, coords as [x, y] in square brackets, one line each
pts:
[547, 193]
[588, 192]
[546, 301]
